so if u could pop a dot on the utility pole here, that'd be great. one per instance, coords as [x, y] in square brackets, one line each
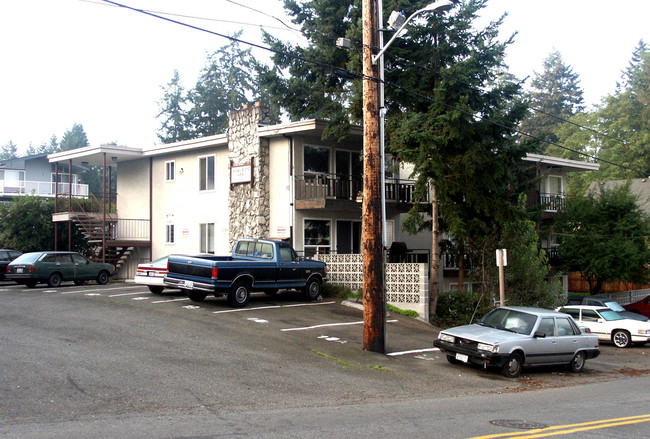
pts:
[374, 314]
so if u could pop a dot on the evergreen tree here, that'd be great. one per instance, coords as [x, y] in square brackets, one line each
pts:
[556, 96]
[9, 151]
[172, 111]
[604, 237]
[226, 84]
[74, 138]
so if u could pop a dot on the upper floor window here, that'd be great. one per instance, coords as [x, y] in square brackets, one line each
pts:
[206, 173]
[552, 185]
[316, 159]
[170, 171]
[349, 163]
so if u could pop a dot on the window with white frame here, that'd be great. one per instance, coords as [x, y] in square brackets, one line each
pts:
[317, 236]
[170, 170]
[170, 236]
[207, 238]
[169, 233]
[206, 173]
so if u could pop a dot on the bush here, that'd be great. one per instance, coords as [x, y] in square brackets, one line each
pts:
[461, 307]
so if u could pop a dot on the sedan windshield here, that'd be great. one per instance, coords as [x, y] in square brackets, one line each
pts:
[614, 306]
[509, 320]
[610, 315]
[27, 258]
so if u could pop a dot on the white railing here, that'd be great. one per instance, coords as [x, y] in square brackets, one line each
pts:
[40, 188]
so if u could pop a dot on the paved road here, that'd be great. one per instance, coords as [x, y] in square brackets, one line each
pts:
[114, 361]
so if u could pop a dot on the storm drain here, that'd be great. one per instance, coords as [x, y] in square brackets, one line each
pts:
[516, 423]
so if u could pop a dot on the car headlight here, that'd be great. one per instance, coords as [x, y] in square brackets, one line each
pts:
[446, 337]
[487, 347]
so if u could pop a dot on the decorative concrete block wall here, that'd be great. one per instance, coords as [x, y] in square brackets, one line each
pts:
[407, 285]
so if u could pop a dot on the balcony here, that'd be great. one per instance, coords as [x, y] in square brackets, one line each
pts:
[12, 188]
[341, 192]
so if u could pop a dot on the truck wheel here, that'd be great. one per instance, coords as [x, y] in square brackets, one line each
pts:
[239, 295]
[196, 296]
[312, 289]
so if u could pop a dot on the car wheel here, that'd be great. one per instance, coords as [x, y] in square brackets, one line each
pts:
[79, 282]
[239, 295]
[312, 289]
[513, 366]
[156, 289]
[578, 362]
[30, 283]
[54, 280]
[621, 338]
[102, 277]
[196, 296]
[452, 359]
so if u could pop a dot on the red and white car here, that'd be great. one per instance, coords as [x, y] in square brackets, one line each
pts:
[152, 274]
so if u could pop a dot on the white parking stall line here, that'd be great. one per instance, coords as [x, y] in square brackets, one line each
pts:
[247, 309]
[171, 300]
[270, 307]
[327, 325]
[125, 294]
[104, 290]
[415, 351]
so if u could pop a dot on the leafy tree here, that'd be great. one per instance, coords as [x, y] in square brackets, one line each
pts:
[27, 226]
[9, 151]
[172, 111]
[604, 236]
[74, 138]
[226, 84]
[556, 96]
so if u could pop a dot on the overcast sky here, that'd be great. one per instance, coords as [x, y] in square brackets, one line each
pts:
[80, 61]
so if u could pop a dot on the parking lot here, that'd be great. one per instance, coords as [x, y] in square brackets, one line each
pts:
[78, 352]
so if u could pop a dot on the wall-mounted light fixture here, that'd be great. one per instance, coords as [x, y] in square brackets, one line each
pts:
[181, 171]
[114, 158]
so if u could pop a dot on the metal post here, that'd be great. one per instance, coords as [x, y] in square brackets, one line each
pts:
[374, 315]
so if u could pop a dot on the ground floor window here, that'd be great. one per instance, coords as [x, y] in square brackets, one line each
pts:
[317, 237]
[348, 237]
[169, 234]
[207, 238]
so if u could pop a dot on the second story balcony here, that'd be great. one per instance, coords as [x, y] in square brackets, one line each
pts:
[11, 188]
[340, 192]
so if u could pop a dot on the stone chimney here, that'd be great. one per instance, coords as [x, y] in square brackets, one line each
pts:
[248, 202]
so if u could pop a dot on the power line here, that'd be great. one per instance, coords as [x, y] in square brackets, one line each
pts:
[362, 76]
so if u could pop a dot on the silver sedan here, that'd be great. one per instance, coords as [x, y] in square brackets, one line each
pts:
[513, 337]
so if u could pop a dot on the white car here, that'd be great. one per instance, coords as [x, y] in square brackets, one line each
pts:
[152, 274]
[609, 325]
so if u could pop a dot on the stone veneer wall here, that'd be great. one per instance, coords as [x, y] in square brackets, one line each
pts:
[407, 285]
[248, 206]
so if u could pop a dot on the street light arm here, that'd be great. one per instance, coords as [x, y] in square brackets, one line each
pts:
[440, 4]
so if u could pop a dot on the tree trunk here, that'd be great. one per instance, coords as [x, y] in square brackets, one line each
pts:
[435, 256]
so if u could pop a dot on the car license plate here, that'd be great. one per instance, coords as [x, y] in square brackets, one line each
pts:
[151, 273]
[19, 270]
[462, 357]
[189, 284]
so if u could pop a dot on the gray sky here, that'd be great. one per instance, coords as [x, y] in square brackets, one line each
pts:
[67, 61]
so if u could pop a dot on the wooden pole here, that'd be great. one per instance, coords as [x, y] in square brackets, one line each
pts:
[374, 314]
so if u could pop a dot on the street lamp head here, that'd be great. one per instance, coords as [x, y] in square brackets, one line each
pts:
[441, 5]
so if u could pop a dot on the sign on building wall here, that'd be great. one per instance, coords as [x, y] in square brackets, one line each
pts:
[241, 173]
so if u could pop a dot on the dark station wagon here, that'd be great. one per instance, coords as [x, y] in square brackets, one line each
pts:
[55, 267]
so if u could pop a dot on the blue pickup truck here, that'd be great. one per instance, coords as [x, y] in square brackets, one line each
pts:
[255, 265]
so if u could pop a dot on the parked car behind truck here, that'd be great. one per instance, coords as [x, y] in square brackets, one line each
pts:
[254, 265]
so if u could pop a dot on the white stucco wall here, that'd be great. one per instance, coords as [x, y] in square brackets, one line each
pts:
[280, 188]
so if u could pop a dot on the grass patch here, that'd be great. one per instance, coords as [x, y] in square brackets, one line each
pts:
[404, 312]
[347, 363]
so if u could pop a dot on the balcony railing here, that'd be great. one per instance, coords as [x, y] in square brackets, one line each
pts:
[349, 187]
[547, 202]
[40, 188]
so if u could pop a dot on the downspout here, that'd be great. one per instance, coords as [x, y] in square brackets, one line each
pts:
[104, 210]
[292, 190]
[151, 208]
[69, 204]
